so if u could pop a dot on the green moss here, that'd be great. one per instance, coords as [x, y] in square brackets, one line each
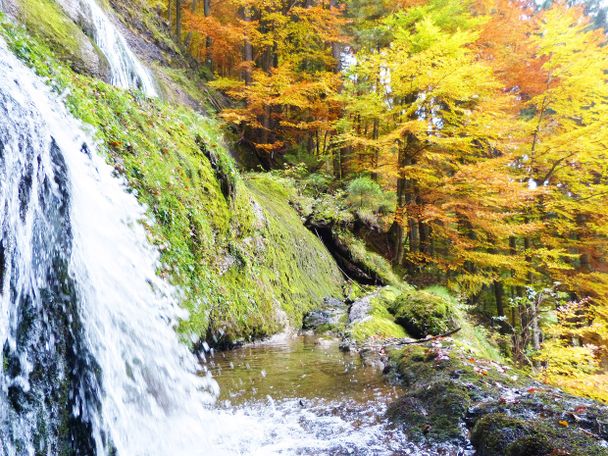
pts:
[191, 85]
[380, 324]
[494, 432]
[473, 337]
[244, 260]
[45, 20]
[498, 434]
[376, 327]
[424, 314]
[297, 262]
[434, 411]
[376, 264]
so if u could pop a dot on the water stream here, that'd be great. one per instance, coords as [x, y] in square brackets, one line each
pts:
[325, 401]
[126, 71]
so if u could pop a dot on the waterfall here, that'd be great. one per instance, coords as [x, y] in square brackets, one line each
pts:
[91, 363]
[126, 71]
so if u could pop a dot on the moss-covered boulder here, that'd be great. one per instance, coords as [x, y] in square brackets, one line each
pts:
[449, 392]
[500, 434]
[49, 23]
[434, 411]
[494, 433]
[247, 266]
[424, 314]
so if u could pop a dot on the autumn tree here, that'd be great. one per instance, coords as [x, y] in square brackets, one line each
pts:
[287, 98]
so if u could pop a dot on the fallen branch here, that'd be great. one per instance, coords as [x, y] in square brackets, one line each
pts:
[428, 339]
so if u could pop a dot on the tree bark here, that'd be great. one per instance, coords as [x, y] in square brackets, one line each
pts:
[405, 196]
[247, 48]
[178, 20]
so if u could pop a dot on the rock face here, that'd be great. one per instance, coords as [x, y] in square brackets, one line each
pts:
[453, 398]
[330, 317]
[46, 20]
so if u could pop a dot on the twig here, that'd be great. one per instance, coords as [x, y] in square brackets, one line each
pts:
[428, 339]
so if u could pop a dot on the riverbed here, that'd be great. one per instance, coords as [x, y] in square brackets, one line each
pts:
[309, 398]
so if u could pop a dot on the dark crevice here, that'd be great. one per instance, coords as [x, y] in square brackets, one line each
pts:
[350, 267]
[223, 176]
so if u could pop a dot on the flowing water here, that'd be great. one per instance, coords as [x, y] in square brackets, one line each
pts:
[326, 401]
[126, 71]
[79, 296]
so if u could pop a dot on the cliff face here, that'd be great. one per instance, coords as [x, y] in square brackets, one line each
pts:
[246, 265]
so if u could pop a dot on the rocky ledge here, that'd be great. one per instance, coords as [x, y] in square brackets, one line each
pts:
[456, 399]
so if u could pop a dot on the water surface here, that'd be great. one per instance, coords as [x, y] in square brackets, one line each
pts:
[309, 398]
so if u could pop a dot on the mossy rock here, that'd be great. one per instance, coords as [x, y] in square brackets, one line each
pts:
[535, 445]
[434, 411]
[424, 314]
[48, 22]
[498, 434]
[448, 390]
[370, 318]
[494, 433]
[376, 327]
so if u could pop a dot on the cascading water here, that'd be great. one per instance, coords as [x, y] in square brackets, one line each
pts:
[91, 364]
[126, 71]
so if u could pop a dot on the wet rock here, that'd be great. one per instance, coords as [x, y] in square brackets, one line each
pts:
[435, 411]
[373, 357]
[331, 316]
[360, 309]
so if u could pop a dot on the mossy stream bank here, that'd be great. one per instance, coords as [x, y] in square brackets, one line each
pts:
[457, 395]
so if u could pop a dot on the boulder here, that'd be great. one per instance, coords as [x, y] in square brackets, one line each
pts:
[423, 314]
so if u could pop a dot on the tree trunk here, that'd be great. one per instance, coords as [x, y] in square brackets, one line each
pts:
[178, 20]
[208, 43]
[405, 195]
[247, 49]
[535, 326]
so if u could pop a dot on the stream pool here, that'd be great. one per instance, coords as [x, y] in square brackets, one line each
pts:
[307, 397]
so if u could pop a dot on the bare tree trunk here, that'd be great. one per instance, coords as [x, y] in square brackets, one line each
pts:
[178, 19]
[247, 48]
[336, 48]
[404, 197]
[208, 43]
[535, 326]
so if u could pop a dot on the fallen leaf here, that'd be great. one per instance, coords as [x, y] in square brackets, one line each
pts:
[564, 423]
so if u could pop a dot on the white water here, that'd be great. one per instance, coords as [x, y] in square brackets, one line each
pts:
[151, 400]
[126, 71]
